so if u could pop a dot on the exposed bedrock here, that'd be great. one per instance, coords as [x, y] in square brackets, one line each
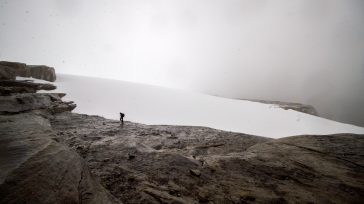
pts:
[28, 101]
[50, 155]
[180, 164]
[42, 72]
[12, 87]
[19, 69]
[7, 73]
[35, 168]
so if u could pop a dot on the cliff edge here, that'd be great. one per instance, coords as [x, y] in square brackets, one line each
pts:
[50, 155]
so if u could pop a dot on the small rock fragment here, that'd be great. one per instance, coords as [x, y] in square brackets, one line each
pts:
[195, 172]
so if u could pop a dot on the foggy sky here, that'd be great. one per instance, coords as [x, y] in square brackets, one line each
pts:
[309, 51]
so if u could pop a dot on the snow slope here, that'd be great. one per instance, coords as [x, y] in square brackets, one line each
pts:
[157, 105]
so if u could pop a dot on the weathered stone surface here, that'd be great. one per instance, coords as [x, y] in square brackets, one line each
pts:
[61, 106]
[6, 73]
[34, 167]
[37, 169]
[42, 72]
[176, 164]
[7, 91]
[28, 101]
[20, 69]
[171, 164]
[17, 65]
[49, 155]
[195, 172]
[25, 86]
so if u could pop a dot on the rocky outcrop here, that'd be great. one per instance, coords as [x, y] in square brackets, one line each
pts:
[51, 155]
[8, 69]
[42, 72]
[35, 168]
[19, 69]
[173, 164]
[26, 102]
[11, 87]
[7, 73]
[289, 105]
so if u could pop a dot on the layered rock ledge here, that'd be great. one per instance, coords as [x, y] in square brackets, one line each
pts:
[34, 167]
[50, 155]
[9, 70]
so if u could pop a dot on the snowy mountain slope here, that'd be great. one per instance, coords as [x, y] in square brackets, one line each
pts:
[157, 105]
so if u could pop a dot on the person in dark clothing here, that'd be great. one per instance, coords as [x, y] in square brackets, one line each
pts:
[122, 118]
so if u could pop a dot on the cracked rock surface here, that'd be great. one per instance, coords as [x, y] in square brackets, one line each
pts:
[50, 155]
[34, 167]
[176, 164]
[37, 169]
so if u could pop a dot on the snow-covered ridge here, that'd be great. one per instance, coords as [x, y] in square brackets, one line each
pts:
[156, 105]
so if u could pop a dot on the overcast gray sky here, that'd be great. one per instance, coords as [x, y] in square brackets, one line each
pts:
[309, 51]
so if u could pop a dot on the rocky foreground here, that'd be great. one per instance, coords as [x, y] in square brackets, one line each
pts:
[50, 155]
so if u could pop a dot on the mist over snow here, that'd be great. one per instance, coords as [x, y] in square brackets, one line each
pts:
[308, 51]
[155, 105]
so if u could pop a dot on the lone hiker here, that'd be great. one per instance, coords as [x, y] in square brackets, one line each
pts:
[122, 118]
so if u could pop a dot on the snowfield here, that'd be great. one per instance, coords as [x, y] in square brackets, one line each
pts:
[157, 105]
